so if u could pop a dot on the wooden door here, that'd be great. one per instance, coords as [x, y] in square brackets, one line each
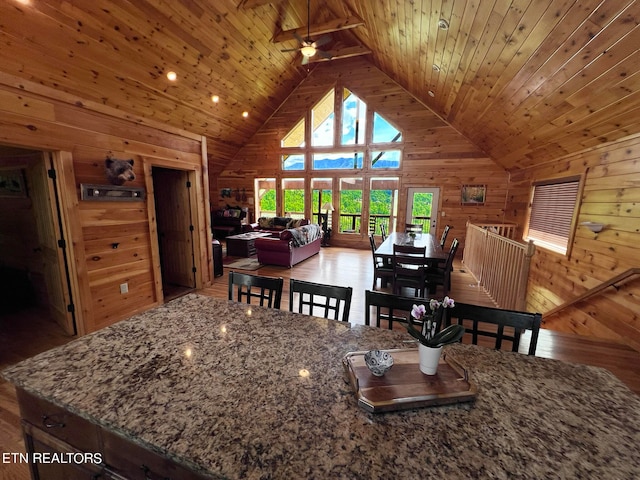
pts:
[422, 207]
[45, 208]
[173, 218]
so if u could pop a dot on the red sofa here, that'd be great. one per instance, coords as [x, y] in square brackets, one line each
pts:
[293, 246]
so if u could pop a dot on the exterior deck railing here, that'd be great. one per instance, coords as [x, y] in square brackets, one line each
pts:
[499, 264]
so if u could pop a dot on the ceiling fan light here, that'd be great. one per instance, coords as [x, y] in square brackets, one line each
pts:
[308, 51]
[443, 24]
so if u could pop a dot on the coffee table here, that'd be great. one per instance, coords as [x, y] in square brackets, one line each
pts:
[243, 245]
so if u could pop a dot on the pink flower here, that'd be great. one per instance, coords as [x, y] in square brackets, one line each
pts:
[418, 311]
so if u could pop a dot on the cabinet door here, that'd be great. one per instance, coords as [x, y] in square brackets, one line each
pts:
[60, 423]
[134, 462]
[52, 459]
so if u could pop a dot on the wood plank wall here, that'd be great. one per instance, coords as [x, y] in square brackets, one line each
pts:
[39, 118]
[435, 154]
[611, 196]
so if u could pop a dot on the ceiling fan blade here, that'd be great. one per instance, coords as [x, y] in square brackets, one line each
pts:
[325, 54]
[322, 41]
[298, 37]
[290, 50]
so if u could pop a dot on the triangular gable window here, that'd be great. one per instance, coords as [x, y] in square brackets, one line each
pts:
[327, 150]
[383, 131]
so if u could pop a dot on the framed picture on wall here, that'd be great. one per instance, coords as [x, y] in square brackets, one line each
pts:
[12, 183]
[473, 194]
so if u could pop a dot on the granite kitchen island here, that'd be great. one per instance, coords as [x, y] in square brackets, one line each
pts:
[227, 390]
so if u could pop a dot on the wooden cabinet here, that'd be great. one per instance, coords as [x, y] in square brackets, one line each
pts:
[64, 446]
[52, 459]
[135, 462]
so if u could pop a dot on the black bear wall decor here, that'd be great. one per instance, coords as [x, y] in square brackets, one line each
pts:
[119, 171]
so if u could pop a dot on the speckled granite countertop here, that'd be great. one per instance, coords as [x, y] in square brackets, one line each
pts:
[217, 385]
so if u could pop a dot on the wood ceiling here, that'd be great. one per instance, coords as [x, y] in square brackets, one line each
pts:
[527, 81]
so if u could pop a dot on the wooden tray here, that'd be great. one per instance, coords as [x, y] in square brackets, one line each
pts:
[404, 386]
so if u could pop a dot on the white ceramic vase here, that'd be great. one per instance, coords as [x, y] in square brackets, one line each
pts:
[429, 359]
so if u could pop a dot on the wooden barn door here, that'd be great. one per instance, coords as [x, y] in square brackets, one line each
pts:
[175, 228]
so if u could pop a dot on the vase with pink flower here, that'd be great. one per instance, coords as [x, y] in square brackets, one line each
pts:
[430, 338]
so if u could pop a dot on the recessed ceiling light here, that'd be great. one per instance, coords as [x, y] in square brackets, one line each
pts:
[215, 98]
[436, 68]
[431, 94]
[443, 24]
[245, 114]
[172, 76]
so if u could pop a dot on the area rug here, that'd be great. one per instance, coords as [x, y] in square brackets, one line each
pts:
[245, 264]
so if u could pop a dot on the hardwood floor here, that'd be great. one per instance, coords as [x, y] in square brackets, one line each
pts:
[29, 332]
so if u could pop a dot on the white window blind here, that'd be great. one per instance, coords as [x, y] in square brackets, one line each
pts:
[551, 215]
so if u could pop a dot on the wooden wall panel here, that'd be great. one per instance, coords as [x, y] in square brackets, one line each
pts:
[50, 120]
[435, 154]
[610, 196]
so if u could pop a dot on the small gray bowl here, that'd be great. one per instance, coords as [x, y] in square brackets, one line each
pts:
[378, 361]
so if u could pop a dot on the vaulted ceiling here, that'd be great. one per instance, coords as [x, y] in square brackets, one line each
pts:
[526, 80]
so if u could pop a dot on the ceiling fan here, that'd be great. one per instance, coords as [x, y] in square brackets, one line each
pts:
[308, 47]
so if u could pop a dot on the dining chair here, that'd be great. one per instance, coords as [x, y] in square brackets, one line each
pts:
[372, 224]
[267, 289]
[409, 269]
[327, 298]
[445, 233]
[383, 231]
[382, 269]
[499, 324]
[393, 308]
[441, 275]
[413, 228]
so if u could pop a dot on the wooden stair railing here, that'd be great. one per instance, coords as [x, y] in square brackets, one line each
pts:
[612, 282]
[499, 264]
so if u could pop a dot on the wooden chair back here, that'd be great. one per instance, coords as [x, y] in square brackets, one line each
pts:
[498, 324]
[267, 290]
[383, 231]
[413, 228]
[382, 269]
[409, 269]
[445, 233]
[372, 224]
[442, 275]
[329, 299]
[392, 308]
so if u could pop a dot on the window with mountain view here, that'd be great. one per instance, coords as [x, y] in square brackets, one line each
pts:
[329, 150]
[354, 119]
[353, 149]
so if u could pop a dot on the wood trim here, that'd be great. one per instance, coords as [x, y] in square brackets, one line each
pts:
[612, 282]
[335, 25]
[72, 231]
[153, 230]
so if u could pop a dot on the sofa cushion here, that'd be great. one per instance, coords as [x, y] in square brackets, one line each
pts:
[265, 222]
[302, 235]
[281, 222]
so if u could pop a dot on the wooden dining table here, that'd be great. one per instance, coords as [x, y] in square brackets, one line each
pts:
[433, 250]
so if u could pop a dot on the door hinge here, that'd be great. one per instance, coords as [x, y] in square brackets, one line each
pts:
[62, 243]
[191, 229]
[194, 269]
[188, 184]
[51, 173]
[71, 308]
